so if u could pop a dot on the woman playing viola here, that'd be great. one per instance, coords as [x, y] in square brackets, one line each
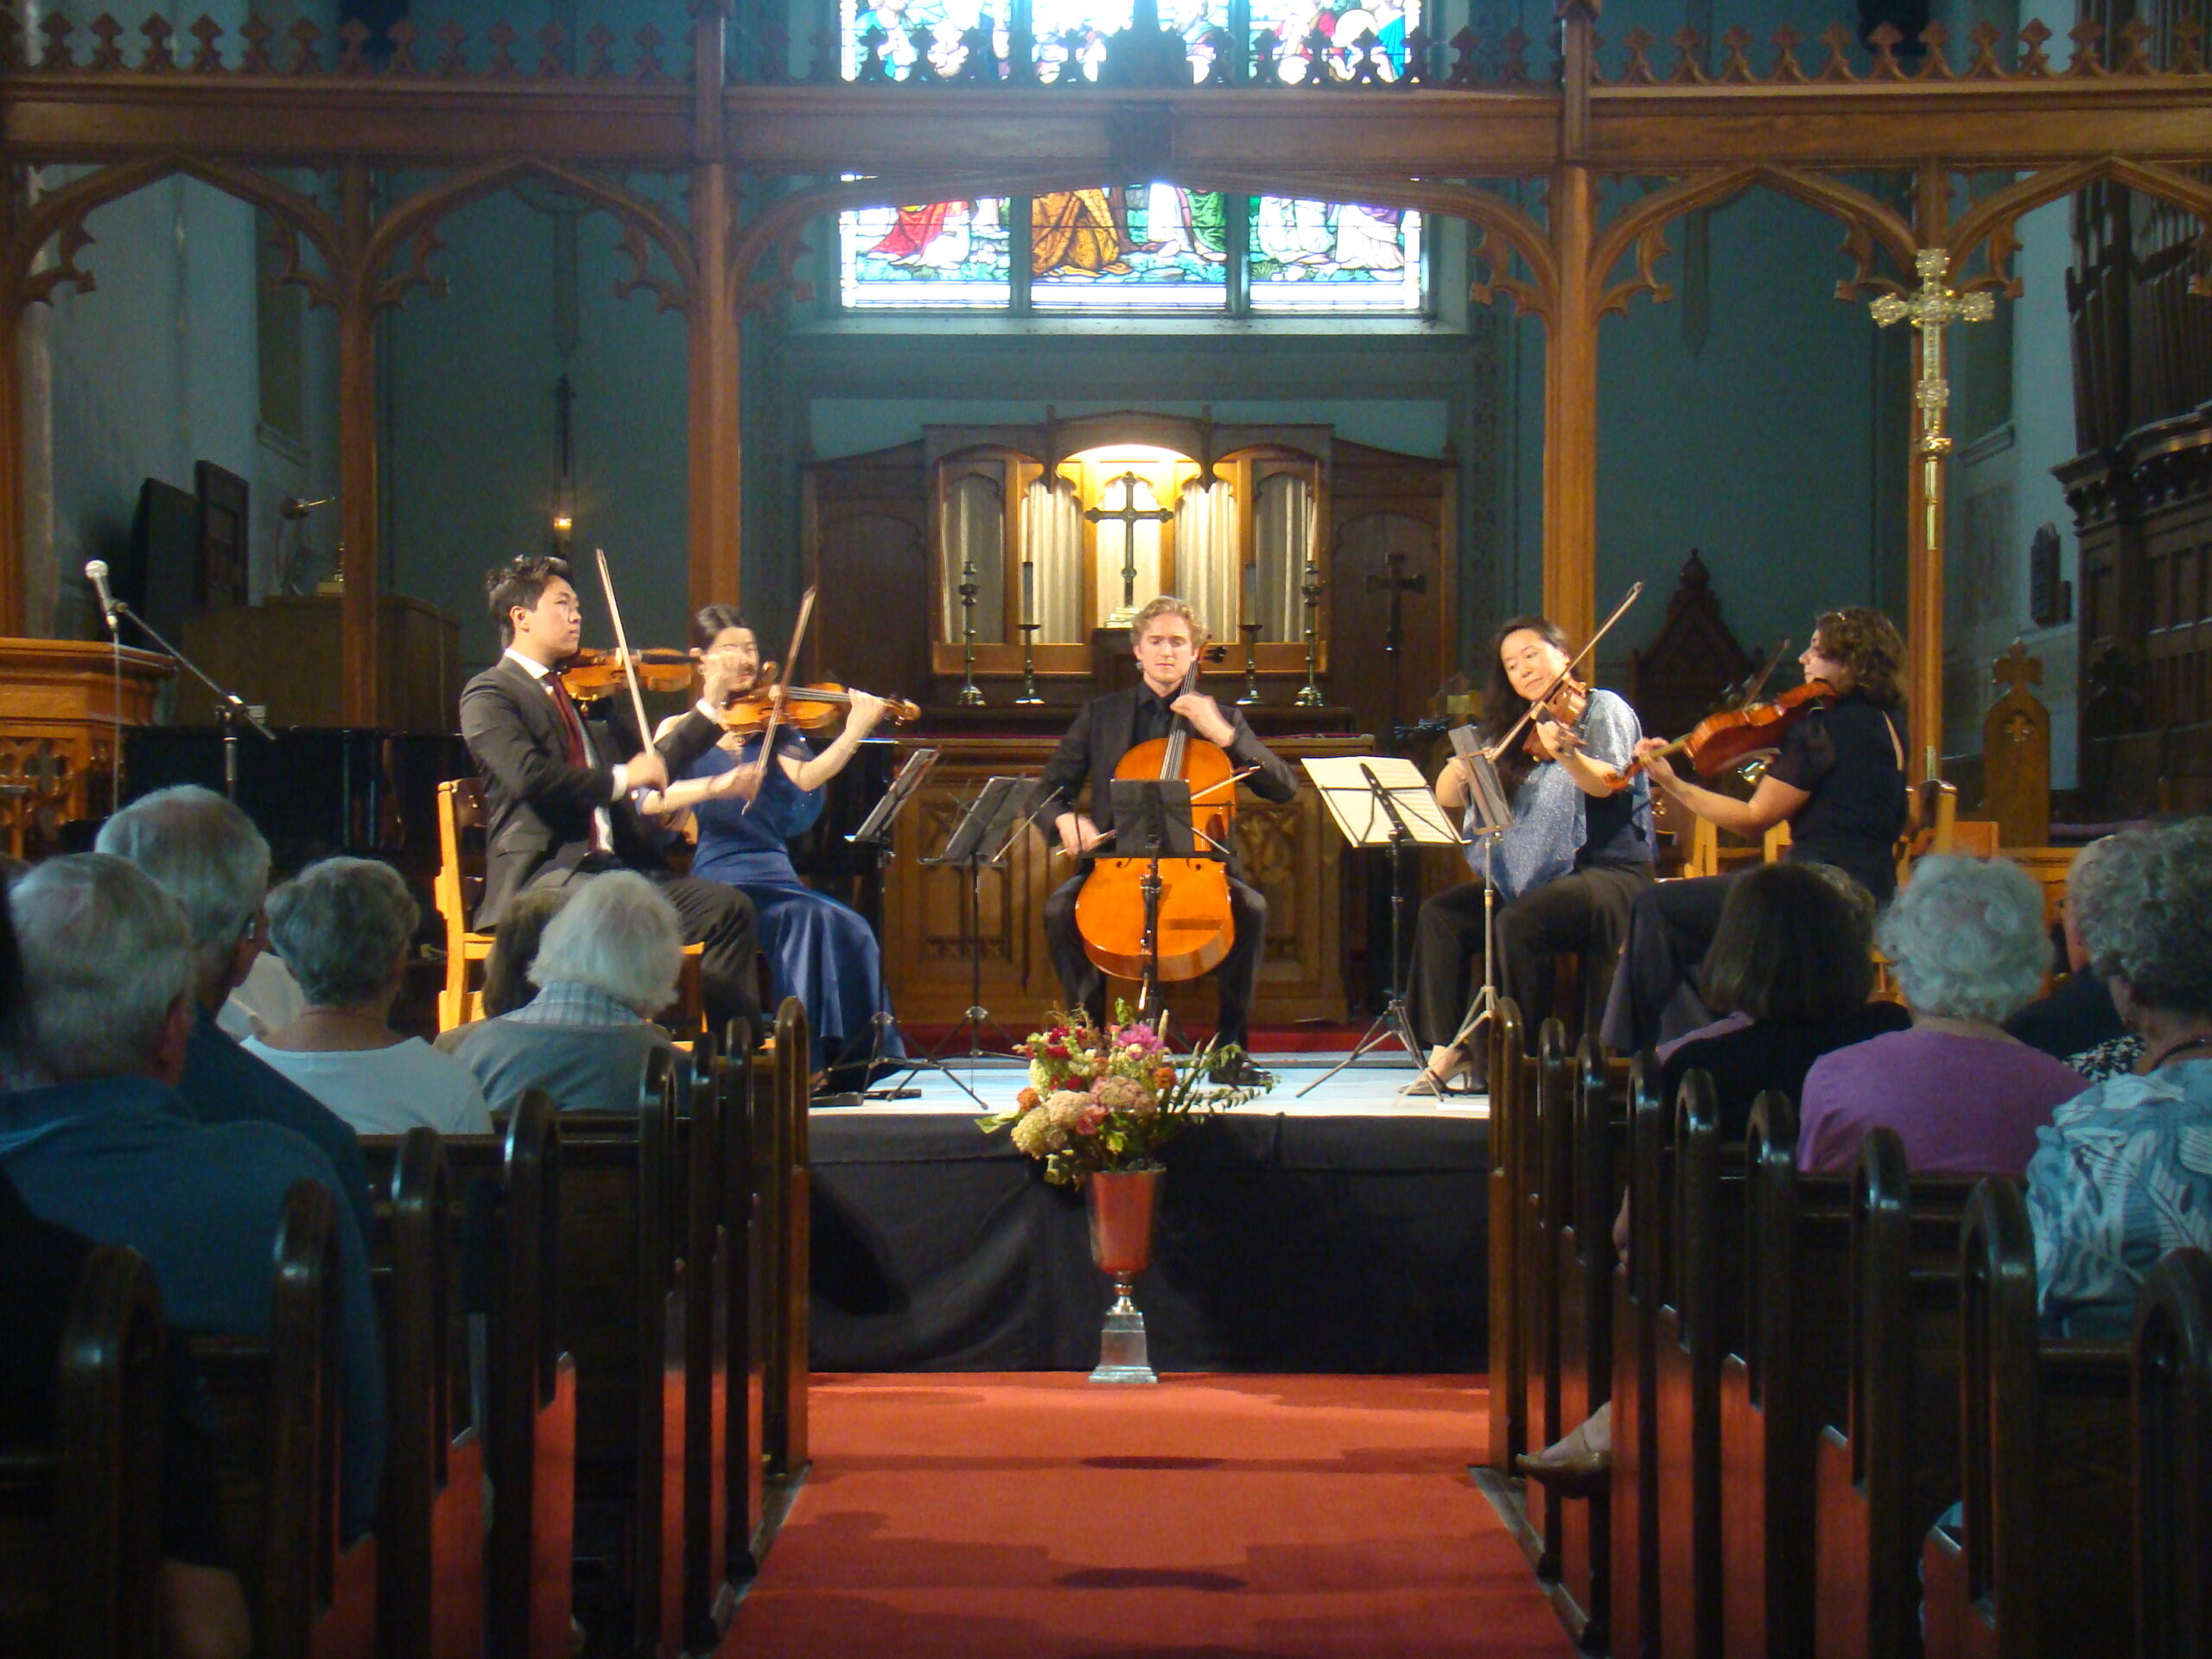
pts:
[1566, 871]
[1840, 784]
[819, 950]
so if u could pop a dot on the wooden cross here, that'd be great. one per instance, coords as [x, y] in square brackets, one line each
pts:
[2016, 671]
[1129, 516]
[1397, 584]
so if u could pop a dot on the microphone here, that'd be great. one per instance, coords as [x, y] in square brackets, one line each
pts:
[96, 573]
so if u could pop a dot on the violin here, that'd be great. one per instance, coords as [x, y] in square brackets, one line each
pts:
[1743, 736]
[591, 675]
[1565, 705]
[806, 707]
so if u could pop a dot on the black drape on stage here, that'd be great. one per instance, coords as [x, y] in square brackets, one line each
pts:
[1285, 1244]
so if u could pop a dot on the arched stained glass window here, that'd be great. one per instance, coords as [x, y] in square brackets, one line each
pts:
[1134, 245]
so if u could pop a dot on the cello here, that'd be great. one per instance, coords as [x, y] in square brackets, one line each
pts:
[1194, 928]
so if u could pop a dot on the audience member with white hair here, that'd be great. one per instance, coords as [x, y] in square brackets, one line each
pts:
[206, 853]
[2123, 1173]
[345, 925]
[97, 1138]
[1965, 941]
[2077, 1022]
[608, 963]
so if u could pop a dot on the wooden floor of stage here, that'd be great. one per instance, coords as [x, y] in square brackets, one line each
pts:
[1367, 1088]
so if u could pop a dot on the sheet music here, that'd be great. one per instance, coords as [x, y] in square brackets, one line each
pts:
[1344, 792]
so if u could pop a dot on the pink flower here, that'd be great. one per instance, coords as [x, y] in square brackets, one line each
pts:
[1091, 1119]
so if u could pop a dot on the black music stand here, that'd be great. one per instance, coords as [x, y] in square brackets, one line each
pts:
[876, 831]
[1489, 815]
[1400, 813]
[984, 836]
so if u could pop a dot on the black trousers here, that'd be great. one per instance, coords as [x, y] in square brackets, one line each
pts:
[1239, 971]
[1655, 996]
[717, 917]
[1584, 912]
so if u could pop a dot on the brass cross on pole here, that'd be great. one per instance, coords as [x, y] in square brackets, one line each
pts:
[1128, 515]
[1931, 309]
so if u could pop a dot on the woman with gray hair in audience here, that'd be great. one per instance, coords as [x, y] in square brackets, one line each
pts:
[345, 926]
[1965, 941]
[608, 963]
[2123, 1173]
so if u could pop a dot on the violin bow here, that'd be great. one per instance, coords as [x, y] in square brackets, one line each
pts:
[1514, 732]
[622, 645]
[751, 790]
[1759, 680]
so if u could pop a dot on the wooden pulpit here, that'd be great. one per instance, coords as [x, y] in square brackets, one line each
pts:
[60, 703]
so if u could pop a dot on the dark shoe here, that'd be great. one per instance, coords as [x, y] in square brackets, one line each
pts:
[1241, 1073]
[1584, 1475]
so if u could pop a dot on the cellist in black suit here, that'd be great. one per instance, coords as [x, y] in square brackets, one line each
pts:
[1166, 637]
[557, 803]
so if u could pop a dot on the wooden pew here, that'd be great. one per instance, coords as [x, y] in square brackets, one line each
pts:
[1508, 1403]
[431, 1591]
[1789, 1375]
[2041, 1567]
[504, 1275]
[2173, 1459]
[746, 1290]
[275, 1402]
[1547, 1097]
[1632, 1520]
[80, 1516]
[710, 1599]
[1884, 1472]
[622, 1314]
[1691, 1327]
[1583, 1268]
[782, 1141]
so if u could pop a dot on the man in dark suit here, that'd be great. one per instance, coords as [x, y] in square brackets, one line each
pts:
[557, 803]
[1166, 637]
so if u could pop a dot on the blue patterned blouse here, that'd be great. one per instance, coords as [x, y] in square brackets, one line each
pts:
[2122, 1173]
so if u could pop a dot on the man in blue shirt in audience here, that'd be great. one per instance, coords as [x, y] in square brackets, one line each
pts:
[206, 853]
[97, 1140]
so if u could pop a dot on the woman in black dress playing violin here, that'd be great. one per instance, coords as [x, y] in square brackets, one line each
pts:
[1838, 783]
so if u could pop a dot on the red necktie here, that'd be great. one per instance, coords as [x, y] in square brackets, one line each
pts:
[572, 725]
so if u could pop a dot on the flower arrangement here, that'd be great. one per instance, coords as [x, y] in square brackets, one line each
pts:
[1107, 1100]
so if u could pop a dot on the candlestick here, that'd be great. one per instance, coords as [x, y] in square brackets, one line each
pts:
[1029, 663]
[1309, 695]
[970, 693]
[1028, 591]
[1251, 633]
[1251, 592]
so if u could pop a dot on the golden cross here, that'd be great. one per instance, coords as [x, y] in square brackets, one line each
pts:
[1933, 309]
[1128, 515]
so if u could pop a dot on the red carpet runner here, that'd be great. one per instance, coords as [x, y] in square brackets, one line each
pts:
[1037, 1516]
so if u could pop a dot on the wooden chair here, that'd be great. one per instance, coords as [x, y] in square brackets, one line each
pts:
[431, 1561]
[749, 1296]
[710, 1597]
[455, 890]
[2173, 1459]
[1547, 1124]
[276, 1400]
[80, 1541]
[460, 809]
[2041, 1563]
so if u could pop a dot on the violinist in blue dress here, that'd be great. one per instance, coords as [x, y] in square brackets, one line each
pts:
[1568, 870]
[819, 950]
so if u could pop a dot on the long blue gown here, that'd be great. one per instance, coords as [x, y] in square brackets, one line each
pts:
[820, 951]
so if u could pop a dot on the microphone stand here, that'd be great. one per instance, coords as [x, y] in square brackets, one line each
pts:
[230, 707]
[115, 704]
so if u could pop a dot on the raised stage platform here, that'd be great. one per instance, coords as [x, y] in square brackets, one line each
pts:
[1345, 1232]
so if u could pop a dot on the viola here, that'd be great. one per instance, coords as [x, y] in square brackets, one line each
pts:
[806, 708]
[1195, 927]
[1565, 704]
[591, 675]
[1742, 736]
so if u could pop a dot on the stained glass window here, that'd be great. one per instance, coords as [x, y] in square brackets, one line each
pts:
[1139, 247]
[1323, 255]
[1132, 246]
[945, 253]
